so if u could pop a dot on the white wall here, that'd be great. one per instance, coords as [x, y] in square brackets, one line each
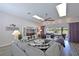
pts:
[6, 20]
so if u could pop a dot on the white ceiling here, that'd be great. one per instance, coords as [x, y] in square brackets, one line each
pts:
[73, 9]
[23, 9]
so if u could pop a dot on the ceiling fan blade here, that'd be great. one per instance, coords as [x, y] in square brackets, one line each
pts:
[49, 20]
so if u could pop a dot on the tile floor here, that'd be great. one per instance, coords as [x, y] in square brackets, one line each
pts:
[71, 49]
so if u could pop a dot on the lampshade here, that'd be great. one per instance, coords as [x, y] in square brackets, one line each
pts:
[16, 33]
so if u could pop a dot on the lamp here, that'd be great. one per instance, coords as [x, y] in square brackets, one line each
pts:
[16, 33]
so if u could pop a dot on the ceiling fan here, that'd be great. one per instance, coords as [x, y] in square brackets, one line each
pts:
[42, 19]
[48, 19]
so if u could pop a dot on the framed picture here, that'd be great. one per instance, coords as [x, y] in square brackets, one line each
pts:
[27, 31]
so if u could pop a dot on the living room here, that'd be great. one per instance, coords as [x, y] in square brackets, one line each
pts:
[38, 25]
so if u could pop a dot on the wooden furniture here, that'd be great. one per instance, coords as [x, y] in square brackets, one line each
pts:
[30, 32]
[41, 30]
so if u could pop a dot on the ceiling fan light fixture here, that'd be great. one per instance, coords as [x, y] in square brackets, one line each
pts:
[37, 17]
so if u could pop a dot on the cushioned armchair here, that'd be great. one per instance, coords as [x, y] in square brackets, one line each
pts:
[31, 51]
[53, 50]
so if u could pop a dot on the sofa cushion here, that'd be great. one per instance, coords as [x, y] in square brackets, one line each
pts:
[53, 50]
